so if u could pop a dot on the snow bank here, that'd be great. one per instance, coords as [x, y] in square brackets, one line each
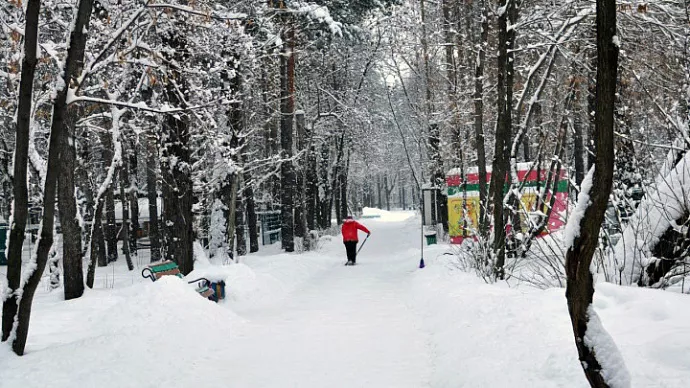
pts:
[385, 215]
[151, 334]
[494, 336]
[169, 302]
[659, 209]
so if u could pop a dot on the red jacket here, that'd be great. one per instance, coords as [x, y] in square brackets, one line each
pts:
[349, 230]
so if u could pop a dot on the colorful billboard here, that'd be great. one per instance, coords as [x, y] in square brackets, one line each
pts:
[463, 199]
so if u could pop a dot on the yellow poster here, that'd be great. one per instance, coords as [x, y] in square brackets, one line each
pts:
[462, 221]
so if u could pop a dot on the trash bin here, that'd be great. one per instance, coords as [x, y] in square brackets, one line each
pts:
[3, 242]
[218, 289]
[430, 238]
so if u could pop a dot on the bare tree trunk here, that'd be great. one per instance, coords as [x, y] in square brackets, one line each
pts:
[20, 203]
[387, 191]
[240, 220]
[110, 223]
[177, 195]
[124, 231]
[324, 188]
[251, 214]
[133, 195]
[75, 55]
[336, 182]
[433, 138]
[177, 192]
[501, 150]
[229, 199]
[152, 195]
[271, 124]
[337, 195]
[236, 202]
[580, 287]
[110, 229]
[343, 189]
[71, 231]
[379, 203]
[402, 196]
[591, 107]
[287, 109]
[97, 243]
[98, 235]
[312, 189]
[451, 75]
[84, 180]
[336, 200]
[578, 148]
[300, 199]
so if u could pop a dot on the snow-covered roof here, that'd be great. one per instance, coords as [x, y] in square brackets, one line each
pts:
[474, 170]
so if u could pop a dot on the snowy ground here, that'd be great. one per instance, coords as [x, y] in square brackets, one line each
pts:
[308, 321]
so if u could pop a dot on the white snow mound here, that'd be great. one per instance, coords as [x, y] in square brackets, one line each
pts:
[169, 302]
[385, 215]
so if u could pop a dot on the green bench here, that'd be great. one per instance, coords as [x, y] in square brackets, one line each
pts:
[170, 268]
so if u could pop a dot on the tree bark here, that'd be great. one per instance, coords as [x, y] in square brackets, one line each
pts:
[335, 198]
[133, 196]
[452, 81]
[402, 197]
[311, 191]
[252, 219]
[97, 243]
[152, 195]
[324, 188]
[177, 195]
[110, 230]
[300, 195]
[240, 219]
[387, 191]
[20, 203]
[287, 108]
[343, 189]
[72, 64]
[580, 287]
[503, 136]
[176, 162]
[578, 149]
[124, 231]
[85, 183]
[591, 108]
[71, 231]
[379, 203]
[229, 199]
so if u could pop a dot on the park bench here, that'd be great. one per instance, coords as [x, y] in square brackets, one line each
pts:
[169, 268]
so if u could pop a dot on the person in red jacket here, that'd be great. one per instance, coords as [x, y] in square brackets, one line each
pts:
[349, 230]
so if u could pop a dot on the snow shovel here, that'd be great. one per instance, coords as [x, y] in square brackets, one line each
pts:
[363, 242]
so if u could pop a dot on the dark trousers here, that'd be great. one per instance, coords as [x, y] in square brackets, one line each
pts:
[351, 248]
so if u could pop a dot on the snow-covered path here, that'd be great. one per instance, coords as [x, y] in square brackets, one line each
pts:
[305, 320]
[349, 327]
